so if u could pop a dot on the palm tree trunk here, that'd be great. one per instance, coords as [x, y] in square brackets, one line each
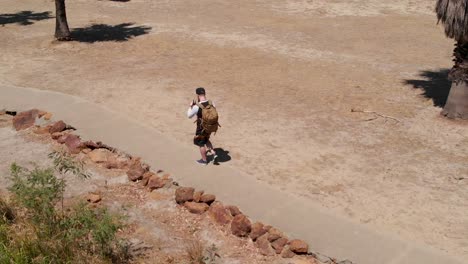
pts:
[457, 101]
[62, 32]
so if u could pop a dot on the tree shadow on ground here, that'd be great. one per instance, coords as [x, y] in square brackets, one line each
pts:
[124, 1]
[103, 32]
[24, 18]
[435, 85]
[223, 156]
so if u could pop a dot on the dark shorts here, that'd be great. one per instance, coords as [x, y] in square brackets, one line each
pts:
[201, 140]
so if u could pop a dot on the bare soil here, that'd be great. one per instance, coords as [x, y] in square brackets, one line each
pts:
[285, 75]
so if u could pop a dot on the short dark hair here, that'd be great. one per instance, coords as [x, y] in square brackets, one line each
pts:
[200, 91]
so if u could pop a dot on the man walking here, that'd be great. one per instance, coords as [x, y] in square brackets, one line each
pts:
[207, 123]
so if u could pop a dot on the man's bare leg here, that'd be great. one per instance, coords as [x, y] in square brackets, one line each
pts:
[213, 152]
[203, 153]
[210, 148]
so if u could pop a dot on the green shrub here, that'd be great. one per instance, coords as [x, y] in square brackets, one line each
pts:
[34, 228]
[38, 191]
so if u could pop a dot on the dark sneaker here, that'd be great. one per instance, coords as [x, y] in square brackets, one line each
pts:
[202, 162]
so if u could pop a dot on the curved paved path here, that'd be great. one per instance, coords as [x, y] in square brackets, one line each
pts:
[325, 232]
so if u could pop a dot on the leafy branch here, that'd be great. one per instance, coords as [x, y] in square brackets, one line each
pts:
[64, 164]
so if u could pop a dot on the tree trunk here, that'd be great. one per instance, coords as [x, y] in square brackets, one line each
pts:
[457, 101]
[61, 25]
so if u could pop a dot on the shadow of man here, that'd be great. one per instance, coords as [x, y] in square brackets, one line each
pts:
[222, 156]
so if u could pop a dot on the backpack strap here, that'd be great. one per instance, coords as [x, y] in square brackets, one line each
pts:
[200, 106]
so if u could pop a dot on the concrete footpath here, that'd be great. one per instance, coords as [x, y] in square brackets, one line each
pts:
[326, 232]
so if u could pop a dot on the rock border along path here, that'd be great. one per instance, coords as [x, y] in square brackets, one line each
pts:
[326, 232]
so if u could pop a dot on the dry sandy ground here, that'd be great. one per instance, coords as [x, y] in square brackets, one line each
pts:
[285, 75]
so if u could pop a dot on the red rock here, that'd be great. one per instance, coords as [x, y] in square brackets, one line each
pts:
[93, 198]
[57, 135]
[145, 166]
[196, 208]
[90, 144]
[184, 194]
[41, 130]
[207, 198]
[311, 260]
[107, 158]
[102, 145]
[62, 138]
[116, 162]
[73, 143]
[274, 234]
[287, 253]
[136, 170]
[146, 177]
[169, 181]
[197, 195]
[279, 244]
[156, 182]
[58, 126]
[25, 119]
[47, 116]
[264, 246]
[241, 226]
[219, 213]
[41, 113]
[86, 150]
[234, 210]
[100, 155]
[111, 163]
[298, 246]
[258, 230]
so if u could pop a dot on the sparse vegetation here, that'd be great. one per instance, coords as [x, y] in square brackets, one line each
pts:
[195, 252]
[33, 229]
[64, 163]
[211, 254]
[199, 255]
